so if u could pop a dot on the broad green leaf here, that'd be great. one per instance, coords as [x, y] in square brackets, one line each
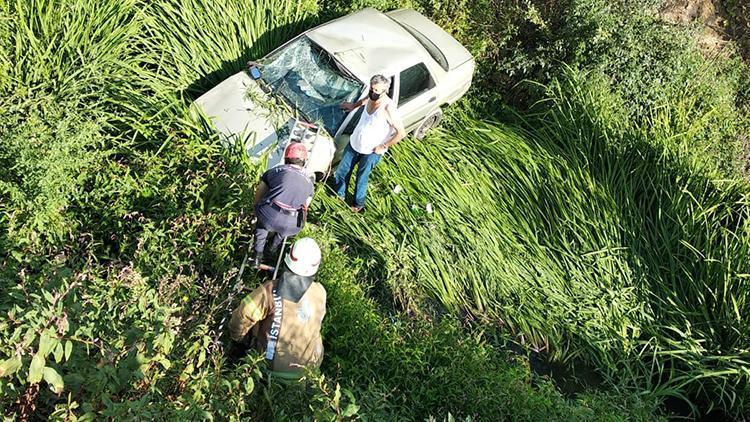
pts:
[47, 295]
[16, 334]
[10, 366]
[201, 358]
[186, 372]
[337, 395]
[249, 385]
[17, 255]
[36, 368]
[58, 352]
[46, 344]
[29, 337]
[68, 349]
[350, 410]
[164, 362]
[54, 380]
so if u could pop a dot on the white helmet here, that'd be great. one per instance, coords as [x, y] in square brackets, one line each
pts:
[303, 257]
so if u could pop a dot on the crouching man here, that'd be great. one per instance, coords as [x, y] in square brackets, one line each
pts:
[286, 314]
[281, 202]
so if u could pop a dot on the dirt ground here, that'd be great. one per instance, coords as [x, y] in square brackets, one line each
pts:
[739, 28]
[722, 21]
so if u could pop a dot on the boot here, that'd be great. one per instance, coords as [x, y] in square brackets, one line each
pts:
[271, 253]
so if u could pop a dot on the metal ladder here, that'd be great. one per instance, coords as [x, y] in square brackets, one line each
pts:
[306, 133]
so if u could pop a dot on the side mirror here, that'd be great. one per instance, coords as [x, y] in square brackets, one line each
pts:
[253, 69]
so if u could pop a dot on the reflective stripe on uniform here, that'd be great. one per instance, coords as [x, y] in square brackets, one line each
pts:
[275, 331]
[252, 310]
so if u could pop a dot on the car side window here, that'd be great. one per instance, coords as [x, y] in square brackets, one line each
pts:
[414, 81]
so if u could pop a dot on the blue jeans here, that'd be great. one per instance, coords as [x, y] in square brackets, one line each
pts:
[366, 163]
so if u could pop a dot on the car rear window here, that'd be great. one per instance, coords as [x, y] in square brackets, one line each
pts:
[431, 48]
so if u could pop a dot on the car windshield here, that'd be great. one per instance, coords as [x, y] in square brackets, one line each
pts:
[309, 79]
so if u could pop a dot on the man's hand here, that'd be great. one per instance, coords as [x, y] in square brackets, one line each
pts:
[381, 149]
[347, 106]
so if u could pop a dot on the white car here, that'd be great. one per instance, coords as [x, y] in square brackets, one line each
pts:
[295, 92]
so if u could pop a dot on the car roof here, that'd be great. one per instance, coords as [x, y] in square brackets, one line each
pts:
[368, 43]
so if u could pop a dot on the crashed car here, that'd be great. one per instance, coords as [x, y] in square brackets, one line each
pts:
[294, 93]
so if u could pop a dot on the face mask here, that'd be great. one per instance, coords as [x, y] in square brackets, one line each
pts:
[373, 96]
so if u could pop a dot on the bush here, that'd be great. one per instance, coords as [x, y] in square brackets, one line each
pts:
[648, 63]
[48, 156]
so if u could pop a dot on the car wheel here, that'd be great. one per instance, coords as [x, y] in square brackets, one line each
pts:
[428, 123]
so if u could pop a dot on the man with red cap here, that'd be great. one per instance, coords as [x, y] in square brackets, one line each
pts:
[281, 201]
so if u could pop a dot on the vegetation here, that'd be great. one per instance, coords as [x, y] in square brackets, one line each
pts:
[598, 216]
[567, 249]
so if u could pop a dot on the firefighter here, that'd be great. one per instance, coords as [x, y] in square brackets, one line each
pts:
[285, 315]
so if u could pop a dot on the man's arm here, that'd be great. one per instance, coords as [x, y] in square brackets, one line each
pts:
[353, 106]
[260, 192]
[395, 121]
[253, 308]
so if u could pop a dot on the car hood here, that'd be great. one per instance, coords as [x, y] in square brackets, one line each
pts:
[242, 112]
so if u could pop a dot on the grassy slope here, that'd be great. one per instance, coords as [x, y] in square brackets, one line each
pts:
[564, 235]
[121, 224]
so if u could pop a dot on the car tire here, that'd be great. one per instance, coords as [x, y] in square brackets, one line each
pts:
[428, 123]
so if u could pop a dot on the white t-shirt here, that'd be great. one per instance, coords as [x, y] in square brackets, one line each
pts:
[372, 129]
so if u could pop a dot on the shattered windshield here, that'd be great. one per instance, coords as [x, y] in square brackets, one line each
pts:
[308, 78]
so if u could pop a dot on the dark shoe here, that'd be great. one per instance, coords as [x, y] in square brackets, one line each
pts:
[270, 255]
[235, 351]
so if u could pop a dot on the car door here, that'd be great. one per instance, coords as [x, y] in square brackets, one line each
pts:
[417, 95]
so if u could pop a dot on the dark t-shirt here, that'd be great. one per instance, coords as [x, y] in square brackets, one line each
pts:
[288, 187]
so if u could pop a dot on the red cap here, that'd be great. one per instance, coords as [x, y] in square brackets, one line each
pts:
[296, 150]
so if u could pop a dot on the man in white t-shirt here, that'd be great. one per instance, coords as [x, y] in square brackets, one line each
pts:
[379, 128]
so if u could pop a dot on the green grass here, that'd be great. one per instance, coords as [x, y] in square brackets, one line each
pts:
[585, 237]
